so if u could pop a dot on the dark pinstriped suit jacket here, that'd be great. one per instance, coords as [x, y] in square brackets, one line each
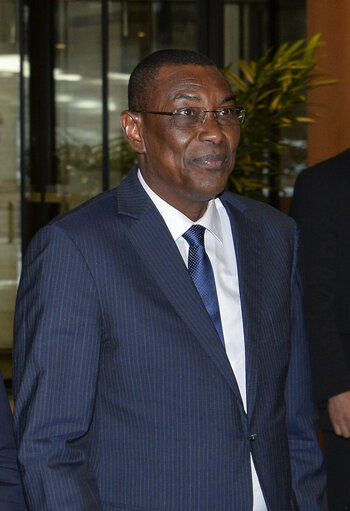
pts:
[125, 399]
[11, 494]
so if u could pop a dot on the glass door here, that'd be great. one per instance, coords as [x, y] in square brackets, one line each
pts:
[9, 178]
[137, 28]
[78, 88]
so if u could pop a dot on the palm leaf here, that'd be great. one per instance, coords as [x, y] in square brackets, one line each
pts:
[269, 88]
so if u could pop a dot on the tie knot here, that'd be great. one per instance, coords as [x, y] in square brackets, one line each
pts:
[195, 235]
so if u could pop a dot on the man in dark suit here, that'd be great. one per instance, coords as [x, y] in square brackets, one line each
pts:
[321, 207]
[160, 361]
[11, 494]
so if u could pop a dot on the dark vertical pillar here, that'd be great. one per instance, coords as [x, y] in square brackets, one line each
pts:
[274, 12]
[22, 50]
[105, 95]
[40, 171]
[210, 29]
[274, 179]
[42, 113]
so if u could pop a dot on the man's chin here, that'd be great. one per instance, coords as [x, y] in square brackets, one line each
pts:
[207, 193]
[213, 182]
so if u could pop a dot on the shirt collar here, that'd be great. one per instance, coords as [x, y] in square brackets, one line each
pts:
[177, 222]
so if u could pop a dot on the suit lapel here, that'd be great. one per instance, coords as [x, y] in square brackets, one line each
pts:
[247, 241]
[153, 242]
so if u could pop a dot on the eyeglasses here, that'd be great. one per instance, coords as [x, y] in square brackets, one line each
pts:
[190, 117]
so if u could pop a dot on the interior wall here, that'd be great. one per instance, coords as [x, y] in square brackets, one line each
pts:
[331, 133]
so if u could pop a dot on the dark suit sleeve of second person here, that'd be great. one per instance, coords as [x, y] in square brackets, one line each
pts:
[308, 475]
[314, 211]
[56, 362]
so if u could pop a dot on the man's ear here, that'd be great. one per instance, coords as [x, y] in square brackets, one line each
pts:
[131, 124]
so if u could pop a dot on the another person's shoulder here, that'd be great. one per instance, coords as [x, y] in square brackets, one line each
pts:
[337, 166]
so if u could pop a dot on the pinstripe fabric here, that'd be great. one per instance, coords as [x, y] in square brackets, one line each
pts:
[11, 494]
[125, 399]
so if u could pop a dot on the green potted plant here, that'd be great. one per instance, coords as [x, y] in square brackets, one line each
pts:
[272, 89]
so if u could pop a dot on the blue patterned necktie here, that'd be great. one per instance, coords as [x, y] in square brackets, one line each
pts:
[201, 271]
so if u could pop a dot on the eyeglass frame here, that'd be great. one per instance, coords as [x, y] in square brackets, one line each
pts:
[240, 109]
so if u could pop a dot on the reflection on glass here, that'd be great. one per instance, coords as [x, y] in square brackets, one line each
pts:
[78, 101]
[247, 35]
[9, 178]
[135, 30]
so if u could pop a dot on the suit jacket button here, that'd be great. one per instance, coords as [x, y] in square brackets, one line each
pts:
[252, 437]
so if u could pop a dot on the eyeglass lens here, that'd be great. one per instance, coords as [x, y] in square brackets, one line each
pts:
[194, 116]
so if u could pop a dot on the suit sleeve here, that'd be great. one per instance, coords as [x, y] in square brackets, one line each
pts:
[308, 475]
[314, 215]
[11, 495]
[57, 339]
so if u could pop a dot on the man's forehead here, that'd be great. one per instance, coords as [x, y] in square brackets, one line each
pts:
[187, 72]
[187, 81]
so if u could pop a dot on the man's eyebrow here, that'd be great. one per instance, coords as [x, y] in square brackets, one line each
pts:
[191, 97]
[228, 98]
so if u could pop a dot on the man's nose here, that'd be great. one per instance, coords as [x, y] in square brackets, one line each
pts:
[210, 129]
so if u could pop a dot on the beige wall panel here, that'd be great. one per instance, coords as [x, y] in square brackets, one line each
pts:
[331, 133]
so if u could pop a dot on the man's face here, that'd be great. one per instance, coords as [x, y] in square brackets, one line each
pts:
[187, 167]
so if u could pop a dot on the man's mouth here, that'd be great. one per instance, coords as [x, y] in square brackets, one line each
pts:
[214, 161]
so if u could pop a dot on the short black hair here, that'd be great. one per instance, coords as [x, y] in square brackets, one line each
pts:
[142, 78]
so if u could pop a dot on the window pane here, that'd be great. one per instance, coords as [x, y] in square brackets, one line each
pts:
[248, 26]
[9, 177]
[78, 100]
[136, 29]
[246, 30]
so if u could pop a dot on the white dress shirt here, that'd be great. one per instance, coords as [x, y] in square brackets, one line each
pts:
[219, 246]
